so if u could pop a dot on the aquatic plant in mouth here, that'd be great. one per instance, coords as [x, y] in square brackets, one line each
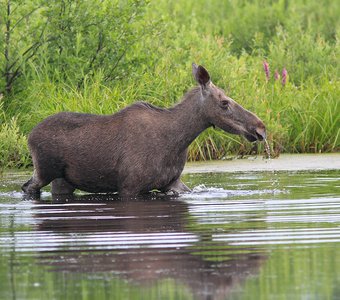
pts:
[267, 149]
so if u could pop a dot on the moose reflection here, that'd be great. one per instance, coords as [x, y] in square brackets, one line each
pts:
[142, 241]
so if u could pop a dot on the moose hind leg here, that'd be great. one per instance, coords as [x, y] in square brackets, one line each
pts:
[61, 187]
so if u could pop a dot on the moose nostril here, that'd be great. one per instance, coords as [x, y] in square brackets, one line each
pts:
[261, 133]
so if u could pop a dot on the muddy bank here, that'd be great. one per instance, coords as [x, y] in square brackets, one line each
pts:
[286, 162]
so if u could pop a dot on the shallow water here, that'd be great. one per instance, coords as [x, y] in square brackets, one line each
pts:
[243, 235]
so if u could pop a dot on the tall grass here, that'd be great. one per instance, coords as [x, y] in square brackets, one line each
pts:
[13, 144]
[231, 39]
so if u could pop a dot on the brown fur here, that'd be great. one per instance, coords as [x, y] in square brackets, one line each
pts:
[140, 148]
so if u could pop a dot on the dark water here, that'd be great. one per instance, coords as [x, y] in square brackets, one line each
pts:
[259, 235]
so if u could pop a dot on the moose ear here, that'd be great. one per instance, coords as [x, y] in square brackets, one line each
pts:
[201, 75]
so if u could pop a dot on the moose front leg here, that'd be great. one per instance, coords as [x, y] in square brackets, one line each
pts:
[177, 187]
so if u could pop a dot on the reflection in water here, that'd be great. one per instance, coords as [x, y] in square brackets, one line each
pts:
[255, 235]
[139, 241]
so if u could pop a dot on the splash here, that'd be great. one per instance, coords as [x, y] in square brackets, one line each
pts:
[202, 191]
[20, 195]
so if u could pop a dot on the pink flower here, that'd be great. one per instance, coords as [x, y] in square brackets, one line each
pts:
[266, 70]
[284, 76]
[277, 75]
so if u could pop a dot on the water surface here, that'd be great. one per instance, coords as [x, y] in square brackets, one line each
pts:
[243, 235]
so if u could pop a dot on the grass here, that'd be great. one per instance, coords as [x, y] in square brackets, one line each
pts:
[231, 39]
[13, 146]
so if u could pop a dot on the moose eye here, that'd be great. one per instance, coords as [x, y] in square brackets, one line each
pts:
[225, 104]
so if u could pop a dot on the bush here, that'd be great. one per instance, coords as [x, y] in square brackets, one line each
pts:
[80, 66]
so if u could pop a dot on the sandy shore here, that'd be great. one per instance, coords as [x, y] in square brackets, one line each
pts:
[286, 162]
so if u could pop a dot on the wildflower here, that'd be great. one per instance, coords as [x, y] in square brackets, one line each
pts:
[266, 70]
[284, 76]
[277, 75]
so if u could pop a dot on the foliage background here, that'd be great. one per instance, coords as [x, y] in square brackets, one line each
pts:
[99, 56]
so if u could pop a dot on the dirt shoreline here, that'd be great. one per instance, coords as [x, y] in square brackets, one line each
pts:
[286, 162]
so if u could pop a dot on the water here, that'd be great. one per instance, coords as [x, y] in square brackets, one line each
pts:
[243, 235]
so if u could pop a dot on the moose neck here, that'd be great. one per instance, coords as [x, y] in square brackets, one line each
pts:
[188, 119]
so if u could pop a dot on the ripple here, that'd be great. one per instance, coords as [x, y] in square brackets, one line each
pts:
[281, 237]
[49, 241]
[202, 191]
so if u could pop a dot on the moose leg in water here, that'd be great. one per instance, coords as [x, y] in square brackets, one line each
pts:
[177, 187]
[34, 184]
[61, 186]
[136, 150]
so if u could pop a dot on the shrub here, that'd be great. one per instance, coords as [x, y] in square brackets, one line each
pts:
[77, 69]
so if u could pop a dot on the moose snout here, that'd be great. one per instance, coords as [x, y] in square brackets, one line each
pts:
[256, 133]
[260, 133]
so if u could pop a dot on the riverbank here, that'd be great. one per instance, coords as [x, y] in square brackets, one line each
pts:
[286, 162]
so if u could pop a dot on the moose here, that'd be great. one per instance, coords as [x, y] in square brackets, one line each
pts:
[136, 150]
